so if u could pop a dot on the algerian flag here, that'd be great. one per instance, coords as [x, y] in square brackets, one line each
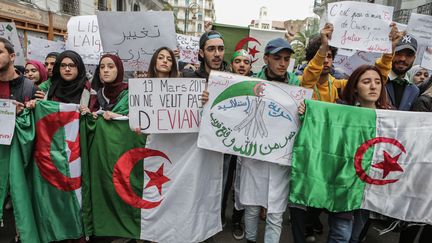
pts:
[15, 159]
[252, 39]
[55, 175]
[347, 158]
[160, 188]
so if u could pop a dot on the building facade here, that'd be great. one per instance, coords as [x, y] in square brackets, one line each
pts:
[191, 15]
[402, 8]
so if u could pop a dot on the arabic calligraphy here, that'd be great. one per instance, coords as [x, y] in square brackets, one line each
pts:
[275, 111]
[235, 103]
[141, 34]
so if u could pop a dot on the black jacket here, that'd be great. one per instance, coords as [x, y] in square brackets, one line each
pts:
[423, 103]
[22, 89]
[201, 72]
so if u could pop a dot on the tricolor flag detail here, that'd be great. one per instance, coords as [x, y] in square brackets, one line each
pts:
[348, 158]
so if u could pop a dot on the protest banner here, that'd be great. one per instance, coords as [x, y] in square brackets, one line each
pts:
[420, 26]
[135, 36]
[9, 32]
[427, 59]
[188, 47]
[360, 26]
[7, 121]
[169, 105]
[251, 117]
[38, 48]
[84, 38]
[347, 64]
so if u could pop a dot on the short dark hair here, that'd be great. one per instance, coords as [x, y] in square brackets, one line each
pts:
[152, 66]
[52, 54]
[8, 45]
[313, 47]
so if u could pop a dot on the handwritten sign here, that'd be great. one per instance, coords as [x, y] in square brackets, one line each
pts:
[251, 117]
[347, 64]
[135, 36]
[170, 105]
[188, 47]
[84, 38]
[8, 31]
[360, 26]
[420, 26]
[7, 121]
[38, 48]
[427, 59]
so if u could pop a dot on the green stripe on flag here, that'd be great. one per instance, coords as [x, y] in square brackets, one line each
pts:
[323, 173]
[232, 35]
[102, 143]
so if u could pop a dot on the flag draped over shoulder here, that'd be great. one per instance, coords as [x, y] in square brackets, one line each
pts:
[55, 176]
[348, 158]
[158, 187]
[15, 160]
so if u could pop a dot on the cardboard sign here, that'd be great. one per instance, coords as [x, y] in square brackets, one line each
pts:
[9, 31]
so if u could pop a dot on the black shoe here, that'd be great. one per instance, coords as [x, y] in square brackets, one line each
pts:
[238, 231]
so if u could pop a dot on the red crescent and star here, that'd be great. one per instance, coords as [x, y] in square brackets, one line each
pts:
[46, 128]
[252, 51]
[388, 165]
[123, 169]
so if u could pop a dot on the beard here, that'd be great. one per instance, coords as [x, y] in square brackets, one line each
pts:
[401, 71]
[211, 65]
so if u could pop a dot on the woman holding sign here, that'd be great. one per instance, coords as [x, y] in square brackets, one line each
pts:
[112, 97]
[163, 64]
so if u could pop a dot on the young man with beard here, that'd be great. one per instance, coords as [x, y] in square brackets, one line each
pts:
[13, 84]
[401, 92]
[211, 55]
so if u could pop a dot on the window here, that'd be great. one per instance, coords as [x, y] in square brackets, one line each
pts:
[265, 26]
[200, 16]
[102, 5]
[121, 5]
[136, 7]
[70, 7]
[175, 2]
[402, 16]
[425, 9]
[199, 27]
[187, 2]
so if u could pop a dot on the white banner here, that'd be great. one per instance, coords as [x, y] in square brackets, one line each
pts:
[420, 26]
[9, 32]
[169, 105]
[360, 26]
[135, 36]
[38, 48]
[347, 64]
[84, 38]
[7, 121]
[250, 117]
[188, 47]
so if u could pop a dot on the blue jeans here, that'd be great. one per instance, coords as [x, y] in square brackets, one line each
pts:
[273, 225]
[361, 216]
[340, 228]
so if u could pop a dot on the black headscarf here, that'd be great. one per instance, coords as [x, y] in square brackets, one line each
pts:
[68, 91]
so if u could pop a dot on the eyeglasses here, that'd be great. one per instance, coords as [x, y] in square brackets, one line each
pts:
[214, 48]
[68, 65]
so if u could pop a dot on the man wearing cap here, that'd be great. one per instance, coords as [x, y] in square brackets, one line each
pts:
[401, 92]
[211, 55]
[241, 63]
[264, 184]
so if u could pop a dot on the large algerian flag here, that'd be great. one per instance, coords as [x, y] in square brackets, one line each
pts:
[160, 188]
[55, 175]
[252, 39]
[15, 159]
[348, 158]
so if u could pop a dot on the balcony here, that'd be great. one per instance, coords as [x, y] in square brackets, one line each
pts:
[425, 9]
[402, 16]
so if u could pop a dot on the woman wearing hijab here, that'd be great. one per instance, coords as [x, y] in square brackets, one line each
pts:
[420, 77]
[69, 81]
[35, 71]
[112, 95]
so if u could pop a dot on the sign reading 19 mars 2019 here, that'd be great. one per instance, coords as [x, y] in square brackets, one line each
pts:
[165, 105]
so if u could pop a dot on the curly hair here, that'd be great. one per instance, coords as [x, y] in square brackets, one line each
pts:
[313, 47]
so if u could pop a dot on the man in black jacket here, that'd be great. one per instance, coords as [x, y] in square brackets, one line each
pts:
[13, 84]
[211, 55]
